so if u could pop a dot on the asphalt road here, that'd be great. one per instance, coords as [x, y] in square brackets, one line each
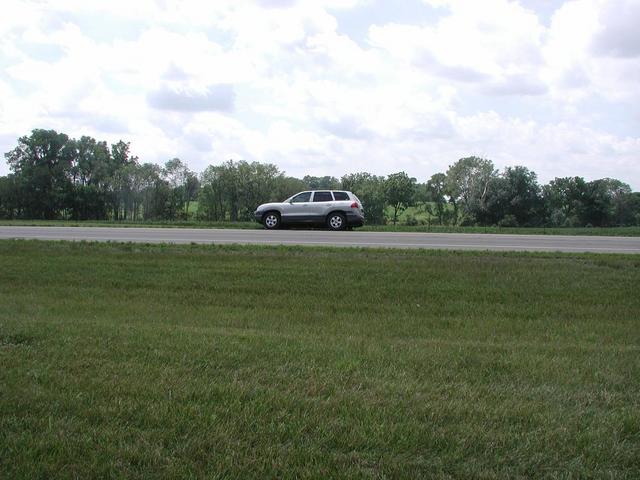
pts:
[453, 241]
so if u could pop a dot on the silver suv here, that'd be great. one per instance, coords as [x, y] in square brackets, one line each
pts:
[337, 209]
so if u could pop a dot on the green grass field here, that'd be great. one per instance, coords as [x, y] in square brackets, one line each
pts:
[611, 231]
[141, 361]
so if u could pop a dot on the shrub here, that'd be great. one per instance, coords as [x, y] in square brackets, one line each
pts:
[508, 221]
[410, 220]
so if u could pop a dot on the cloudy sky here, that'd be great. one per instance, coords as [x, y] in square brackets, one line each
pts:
[332, 87]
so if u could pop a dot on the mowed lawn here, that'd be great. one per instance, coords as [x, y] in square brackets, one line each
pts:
[134, 361]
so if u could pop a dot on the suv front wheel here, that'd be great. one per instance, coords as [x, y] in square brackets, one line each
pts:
[336, 221]
[271, 221]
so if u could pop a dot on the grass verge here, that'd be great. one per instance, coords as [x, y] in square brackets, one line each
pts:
[137, 361]
[126, 223]
[599, 231]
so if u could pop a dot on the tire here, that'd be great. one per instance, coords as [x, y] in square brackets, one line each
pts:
[336, 221]
[271, 220]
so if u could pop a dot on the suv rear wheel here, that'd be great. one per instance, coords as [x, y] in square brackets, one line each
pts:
[336, 221]
[271, 221]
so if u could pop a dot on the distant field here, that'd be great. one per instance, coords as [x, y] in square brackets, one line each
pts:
[134, 361]
[611, 231]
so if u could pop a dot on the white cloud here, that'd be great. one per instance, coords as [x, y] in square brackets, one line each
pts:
[591, 50]
[477, 42]
[213, 97]
[618, 34]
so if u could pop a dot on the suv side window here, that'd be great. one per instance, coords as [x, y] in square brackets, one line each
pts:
[339, 196]
[301, 197]
[322, 197]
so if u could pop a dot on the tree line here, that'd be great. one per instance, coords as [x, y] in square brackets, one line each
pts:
[53, 176]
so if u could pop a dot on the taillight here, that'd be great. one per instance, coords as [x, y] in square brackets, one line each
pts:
[355, 205]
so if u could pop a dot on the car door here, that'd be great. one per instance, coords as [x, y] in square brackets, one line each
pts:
[297, 209]
[321, 203]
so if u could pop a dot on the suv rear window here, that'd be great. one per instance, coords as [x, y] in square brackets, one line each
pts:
[341, 196]
[322, 197]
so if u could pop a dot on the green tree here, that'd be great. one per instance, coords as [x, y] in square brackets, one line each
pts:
[119, 182]
[370, 190]
[602, 201]
[399, 190]
[468, 182]
[513, 199]
[237, 188]
[211, 199]
[42, 162]
[628, 209]
[9, 197]
[220, 192]
[151, 186]
[321, 183]
[184, 186]
[436, 195]
[287, 186]
[563, 201]
[93, 163]
[257, 184]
